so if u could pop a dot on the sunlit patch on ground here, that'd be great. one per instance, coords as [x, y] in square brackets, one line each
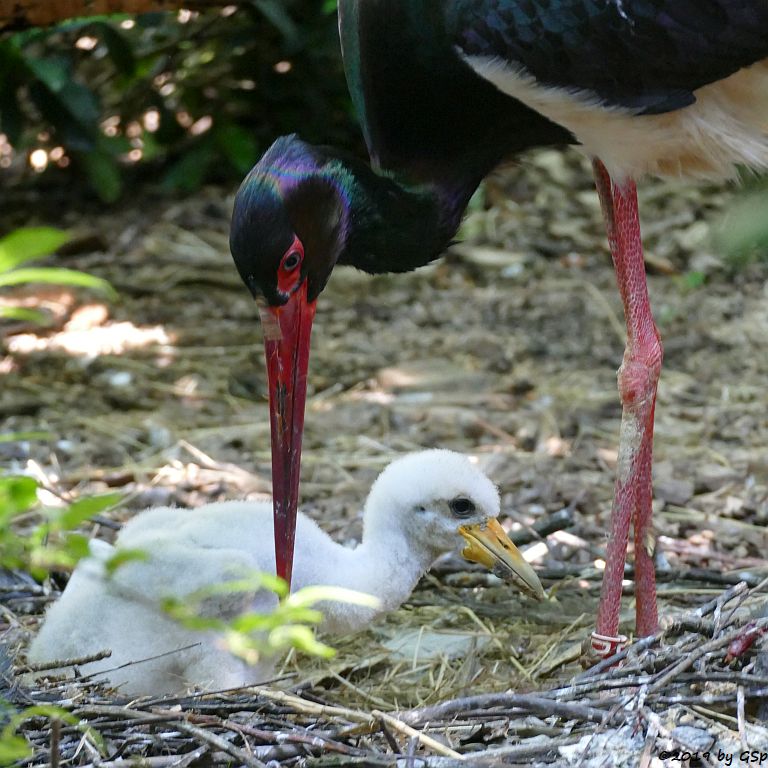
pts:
[111, 338]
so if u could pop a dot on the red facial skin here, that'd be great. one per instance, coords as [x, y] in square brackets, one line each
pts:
[287, 332]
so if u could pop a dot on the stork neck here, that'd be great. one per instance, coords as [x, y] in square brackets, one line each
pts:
[397, 226]
[385, 567]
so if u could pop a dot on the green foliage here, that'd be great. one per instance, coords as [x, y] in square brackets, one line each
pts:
[122, 557]
[250, 634]
[691, 280]
[29, 243]
[743, 235]
[196, 96]
[51, 544]
[15, 437]
[15, 748]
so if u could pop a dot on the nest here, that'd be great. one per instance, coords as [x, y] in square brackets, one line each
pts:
[695, 688]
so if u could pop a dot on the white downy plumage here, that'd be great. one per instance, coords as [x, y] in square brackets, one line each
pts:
[413, 514]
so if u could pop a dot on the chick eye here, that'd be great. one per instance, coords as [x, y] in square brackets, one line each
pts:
[462, 507]
[291, 261]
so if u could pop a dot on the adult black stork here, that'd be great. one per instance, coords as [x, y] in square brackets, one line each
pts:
[445, 91]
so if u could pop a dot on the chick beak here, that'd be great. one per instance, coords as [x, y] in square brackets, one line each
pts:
[489, 545]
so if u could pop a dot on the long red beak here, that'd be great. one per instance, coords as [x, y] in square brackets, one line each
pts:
[286, 343]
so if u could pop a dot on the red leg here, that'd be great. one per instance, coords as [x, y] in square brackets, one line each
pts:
[637, 378]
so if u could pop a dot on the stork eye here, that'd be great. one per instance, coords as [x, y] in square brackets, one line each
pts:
[291, 261]
[462, 507]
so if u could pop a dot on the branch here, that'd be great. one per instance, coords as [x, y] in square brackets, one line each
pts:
[21, 14]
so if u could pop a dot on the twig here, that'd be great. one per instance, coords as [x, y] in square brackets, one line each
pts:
[729, 594]
[77, 661]
[217, 741]
[540, 705]
[155, 761]
[296, 734]
[670, 626]
[391, 740]
[138, 661]
[407, 730]
[311, 708]
[740, 717]
[518, 752]
[687, 661]
[55, 741]
[650, 742]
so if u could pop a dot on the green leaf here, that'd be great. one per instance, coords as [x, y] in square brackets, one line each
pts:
[274, 584]
[151, 147]
[104, 175]
[83, 509]
[188, 173]
[57, 276]
[75, 548]
[123, 556]
[315, 594]
[694, 279]
[81, 103]
[275, 13]
[118, 47]
[25, 315]
[13, 748]
[743, 234]
[53, 71]
[12, 65]
[114, 145]
[181, 611]
[74, 133]
[17, 494]
[15, 437]
[247, 623]
[301, 637]
[43, 710]
[70, 107]
[257, 622]
[27, 243]
[65, 556]
[70, 25]
[238, 145]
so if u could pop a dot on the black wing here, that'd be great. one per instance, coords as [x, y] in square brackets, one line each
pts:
[648, 55]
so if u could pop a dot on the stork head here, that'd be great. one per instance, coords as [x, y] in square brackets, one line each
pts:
[286, 235]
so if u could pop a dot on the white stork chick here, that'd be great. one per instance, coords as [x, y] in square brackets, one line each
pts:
[421, 506]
